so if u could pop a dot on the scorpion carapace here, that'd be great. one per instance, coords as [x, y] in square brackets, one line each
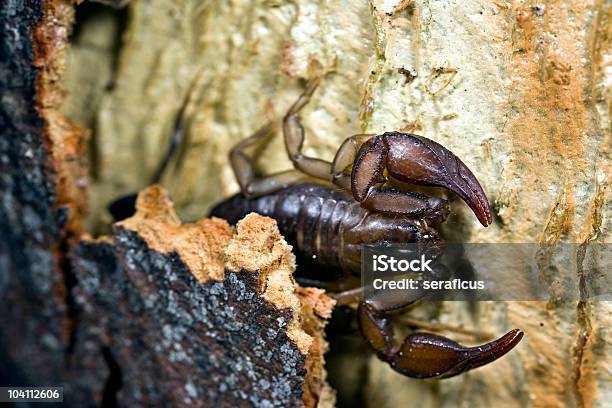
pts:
[328, 211]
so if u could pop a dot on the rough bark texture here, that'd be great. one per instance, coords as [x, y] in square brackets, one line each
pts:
[518, 90]
[178, 326]
[41, 193]
[154, 316]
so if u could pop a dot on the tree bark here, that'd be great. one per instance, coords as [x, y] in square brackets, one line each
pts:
[124, 319]
[41, 190]
[518, 90]
[197, 314]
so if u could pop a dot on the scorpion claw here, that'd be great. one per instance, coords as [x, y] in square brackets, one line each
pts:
[416, 159]
[426, 355]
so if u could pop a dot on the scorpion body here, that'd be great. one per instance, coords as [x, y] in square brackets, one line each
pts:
[327, 227]
[354, 203]
[329, 210]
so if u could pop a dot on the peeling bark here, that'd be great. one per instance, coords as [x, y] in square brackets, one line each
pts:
[238, 333]
[41, 191]
[88, 315]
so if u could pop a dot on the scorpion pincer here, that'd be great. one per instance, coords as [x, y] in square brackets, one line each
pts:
[328, 211]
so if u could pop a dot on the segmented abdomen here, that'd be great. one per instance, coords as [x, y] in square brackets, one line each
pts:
[310, 217]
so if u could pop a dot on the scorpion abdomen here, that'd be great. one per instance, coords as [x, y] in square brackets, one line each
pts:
[327, 227]
[310, 217]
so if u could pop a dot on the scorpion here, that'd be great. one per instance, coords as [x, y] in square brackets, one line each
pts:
[329, 210]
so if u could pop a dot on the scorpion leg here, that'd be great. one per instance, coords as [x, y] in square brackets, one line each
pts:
[294, 137]
[306, 167]
[242, 164]
[427, 355]
[125, 206]
[340, 169]
[418, 160]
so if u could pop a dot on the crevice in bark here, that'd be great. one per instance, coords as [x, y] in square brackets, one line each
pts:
[70, 281]
[64, 143]
[346, 344]
[114, 382]
[584, 327]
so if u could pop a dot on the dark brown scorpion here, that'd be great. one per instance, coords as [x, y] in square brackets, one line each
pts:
[328, 211]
